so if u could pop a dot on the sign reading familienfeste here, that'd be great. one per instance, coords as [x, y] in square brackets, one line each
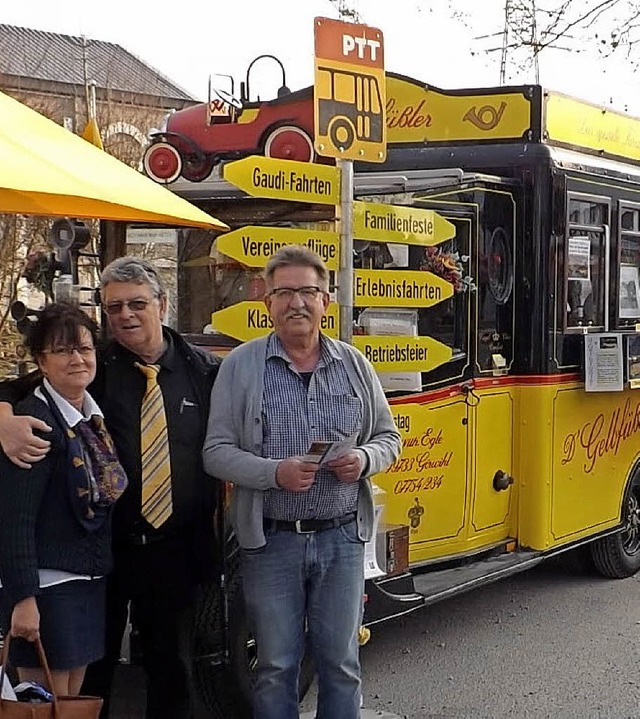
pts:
[400, 223]
[248, 320]
[285, 179]
[398, 353]
[399, 288]
[253, 245]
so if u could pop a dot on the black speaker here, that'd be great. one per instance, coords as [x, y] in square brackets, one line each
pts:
[66, 234]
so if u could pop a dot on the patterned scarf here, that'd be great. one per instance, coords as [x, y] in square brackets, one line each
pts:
[92, 491]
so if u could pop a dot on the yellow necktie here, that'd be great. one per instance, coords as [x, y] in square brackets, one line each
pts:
[154, 442]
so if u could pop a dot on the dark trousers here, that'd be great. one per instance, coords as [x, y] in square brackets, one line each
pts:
[157, 579]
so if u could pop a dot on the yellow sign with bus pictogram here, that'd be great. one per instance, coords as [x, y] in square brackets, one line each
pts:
[349, 91]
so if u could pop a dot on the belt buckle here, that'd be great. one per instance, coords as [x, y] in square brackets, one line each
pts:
[299, 530]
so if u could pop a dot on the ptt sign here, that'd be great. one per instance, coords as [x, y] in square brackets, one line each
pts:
[349, 91]
[362, 46]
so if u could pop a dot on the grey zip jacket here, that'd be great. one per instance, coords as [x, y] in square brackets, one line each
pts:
[233, 444]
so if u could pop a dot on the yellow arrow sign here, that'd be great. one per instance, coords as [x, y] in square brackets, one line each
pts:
[402, 354]
[253, 245]
[248, 320]
[399, 288]
[285, 179]
[399, 223]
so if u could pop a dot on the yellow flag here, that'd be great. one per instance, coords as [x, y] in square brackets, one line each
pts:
[91, 133]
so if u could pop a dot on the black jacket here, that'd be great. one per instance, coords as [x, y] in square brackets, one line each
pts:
[38, 528]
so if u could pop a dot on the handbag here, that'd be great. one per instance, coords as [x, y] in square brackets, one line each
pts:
[62, 707]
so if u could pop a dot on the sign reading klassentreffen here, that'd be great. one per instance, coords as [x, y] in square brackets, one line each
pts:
[400, 223]
[285, 179]
[248, 320]
[399, 288]
[253, 245]
[402, 354]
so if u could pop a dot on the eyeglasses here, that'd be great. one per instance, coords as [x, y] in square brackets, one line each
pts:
[83, 350]
[115, 308]
[309, 292]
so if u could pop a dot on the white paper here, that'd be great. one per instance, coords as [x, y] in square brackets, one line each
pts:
[371, 566]
[323, 452]
[579, 258]
[7, 690]
[603, 363]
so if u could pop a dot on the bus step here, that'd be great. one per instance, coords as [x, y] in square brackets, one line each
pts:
[435, 586]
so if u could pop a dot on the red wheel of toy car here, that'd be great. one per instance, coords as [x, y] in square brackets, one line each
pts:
[162, 162]
[198, 169]
[289, 143]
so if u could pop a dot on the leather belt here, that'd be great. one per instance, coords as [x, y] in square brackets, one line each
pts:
[308, 526]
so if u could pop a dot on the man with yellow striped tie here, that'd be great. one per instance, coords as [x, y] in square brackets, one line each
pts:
[155, 396]
[154, 390]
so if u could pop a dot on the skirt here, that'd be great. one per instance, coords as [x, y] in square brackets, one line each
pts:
[72, 626]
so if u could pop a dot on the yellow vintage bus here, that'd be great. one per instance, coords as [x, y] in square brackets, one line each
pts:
[514, 387]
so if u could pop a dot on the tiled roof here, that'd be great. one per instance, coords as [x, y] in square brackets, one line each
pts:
[54, 57]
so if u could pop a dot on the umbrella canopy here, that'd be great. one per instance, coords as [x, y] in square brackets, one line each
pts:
[47, 170]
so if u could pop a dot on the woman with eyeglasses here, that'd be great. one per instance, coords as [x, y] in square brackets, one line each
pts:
[55, 518]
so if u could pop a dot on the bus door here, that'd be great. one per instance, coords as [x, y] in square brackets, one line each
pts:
[479, 417]
[428, 487]
[494, 395]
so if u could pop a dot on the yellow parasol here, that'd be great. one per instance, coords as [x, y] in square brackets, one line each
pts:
[47, 170]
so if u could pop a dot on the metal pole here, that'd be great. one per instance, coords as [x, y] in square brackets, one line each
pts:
[345, 273]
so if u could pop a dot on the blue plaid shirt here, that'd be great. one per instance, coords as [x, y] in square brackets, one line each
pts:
[294, 415]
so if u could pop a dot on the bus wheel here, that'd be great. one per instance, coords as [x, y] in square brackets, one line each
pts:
[216, 691]
[342, 134]
[242, 647]
[618, 555]
[289, 143]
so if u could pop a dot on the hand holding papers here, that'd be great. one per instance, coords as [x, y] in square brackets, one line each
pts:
[324, 452]
[340, 457]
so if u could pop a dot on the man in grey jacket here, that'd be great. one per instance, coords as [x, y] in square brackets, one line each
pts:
[301, 524]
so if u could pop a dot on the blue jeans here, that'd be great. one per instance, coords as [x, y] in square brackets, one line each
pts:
[314, 581]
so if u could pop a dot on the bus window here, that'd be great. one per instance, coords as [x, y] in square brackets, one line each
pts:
[323, 83]
[585, 263]
[629, 263]
[375, 95]
[344, 88]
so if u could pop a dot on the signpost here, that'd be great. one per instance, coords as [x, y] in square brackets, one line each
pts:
[400, 288]
[253, 245]
[248, 320]
[350, 123]
[285, 179]
[397, 353]
[399, 223]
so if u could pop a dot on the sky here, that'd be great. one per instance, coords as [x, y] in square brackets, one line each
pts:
[189, 41]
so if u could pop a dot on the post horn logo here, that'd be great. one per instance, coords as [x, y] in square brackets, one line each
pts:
[485, 117]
